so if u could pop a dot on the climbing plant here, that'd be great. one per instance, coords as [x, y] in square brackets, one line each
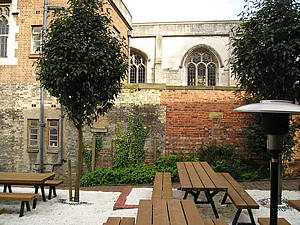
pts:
[128, 145]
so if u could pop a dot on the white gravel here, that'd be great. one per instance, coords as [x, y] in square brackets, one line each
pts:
[96, 206]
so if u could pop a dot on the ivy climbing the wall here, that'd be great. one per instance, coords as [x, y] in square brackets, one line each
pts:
[128, 145]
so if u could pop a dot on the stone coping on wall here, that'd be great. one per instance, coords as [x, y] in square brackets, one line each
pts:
[167, 87]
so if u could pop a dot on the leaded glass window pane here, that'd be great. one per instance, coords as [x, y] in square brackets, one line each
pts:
[191, 74]
[211, 74]
[141, 78]
[138, 60]
[206, 58]
[133, 74]
[3, 46]
[197, 58]
[3, 26]
[137, 69]
[201, 74]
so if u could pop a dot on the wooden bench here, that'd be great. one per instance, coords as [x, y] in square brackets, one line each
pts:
[52, 187]
[295, 204]
[25, 198]
[120, 221]
[162, 187]
[171, 212]
[238, 196]
[266, 221]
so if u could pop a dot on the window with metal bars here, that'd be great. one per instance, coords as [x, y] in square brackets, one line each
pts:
[137, 69]
[201, 68]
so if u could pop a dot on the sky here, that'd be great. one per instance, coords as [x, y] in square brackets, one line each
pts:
[183, 10]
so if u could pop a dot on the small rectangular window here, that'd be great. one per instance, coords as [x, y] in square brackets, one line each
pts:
[36, 39]
[53, 133]
[33, 133]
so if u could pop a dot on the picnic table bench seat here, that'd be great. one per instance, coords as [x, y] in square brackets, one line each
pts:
[162, 187]
[171, 212]
[120, 221]
[238, 196]
[25, 198]
[266, 221]
[52, 187]
[295, 204]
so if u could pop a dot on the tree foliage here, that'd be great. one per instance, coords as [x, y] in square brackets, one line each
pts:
[82, 65]
[266, 49]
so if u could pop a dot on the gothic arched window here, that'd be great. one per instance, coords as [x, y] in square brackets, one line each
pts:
[4, 29]
[201, 67]
[137, 68]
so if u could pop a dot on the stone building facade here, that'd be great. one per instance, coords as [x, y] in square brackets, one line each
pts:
[179, 83]
[21, 24]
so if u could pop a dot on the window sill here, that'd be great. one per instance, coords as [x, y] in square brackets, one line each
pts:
[34, 56]
[52, 151]
[32, 150]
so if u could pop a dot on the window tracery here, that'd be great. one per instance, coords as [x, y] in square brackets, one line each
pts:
[4, 30]
[201, 68]
[137, 68]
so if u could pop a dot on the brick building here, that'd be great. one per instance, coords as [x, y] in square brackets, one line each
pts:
[179, 83]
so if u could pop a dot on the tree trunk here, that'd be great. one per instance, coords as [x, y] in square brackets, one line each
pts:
[79, 163]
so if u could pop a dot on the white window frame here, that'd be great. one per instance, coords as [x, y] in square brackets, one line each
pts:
[33, 134]
[51, 141]
[35, 48]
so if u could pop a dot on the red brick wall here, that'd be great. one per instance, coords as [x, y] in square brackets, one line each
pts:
[196, 116]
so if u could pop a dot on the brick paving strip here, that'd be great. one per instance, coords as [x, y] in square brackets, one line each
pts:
[121, 202]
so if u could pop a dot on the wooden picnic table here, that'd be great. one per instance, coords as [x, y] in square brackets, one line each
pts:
[199, 176]
[35, 179]
[171, 212]
[295, 204]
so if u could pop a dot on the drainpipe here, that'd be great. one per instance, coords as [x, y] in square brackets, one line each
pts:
[42, 107]
[42, 123]
[129, 34]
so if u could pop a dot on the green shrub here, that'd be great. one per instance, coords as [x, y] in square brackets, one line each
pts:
[168, 164]
[142, 174]
[223, 158]
[139, 174]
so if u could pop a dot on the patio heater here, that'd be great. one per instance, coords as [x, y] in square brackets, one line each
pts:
[275, 118]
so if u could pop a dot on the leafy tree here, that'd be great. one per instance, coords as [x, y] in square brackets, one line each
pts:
[82, 65]
[266, 60]
[266, 49]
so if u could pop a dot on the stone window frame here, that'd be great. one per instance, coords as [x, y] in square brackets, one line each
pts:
[36, 39]
[33, 124]
[138, 67]
[202, 68]
[4, 30]
[50, 128]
